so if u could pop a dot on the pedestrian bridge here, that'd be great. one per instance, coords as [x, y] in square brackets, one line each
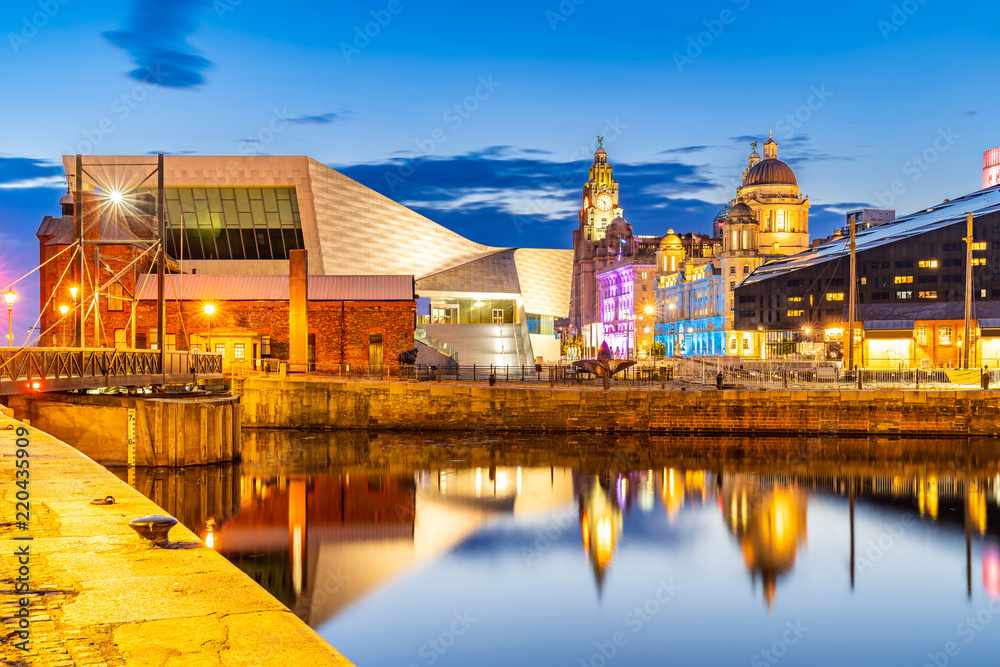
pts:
[48, 369]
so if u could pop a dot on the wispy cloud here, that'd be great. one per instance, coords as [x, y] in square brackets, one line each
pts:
[21, 173]
[322, 119]
[156, 36]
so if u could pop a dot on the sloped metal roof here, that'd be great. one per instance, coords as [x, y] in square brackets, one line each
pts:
[275, 288]
[943, 215]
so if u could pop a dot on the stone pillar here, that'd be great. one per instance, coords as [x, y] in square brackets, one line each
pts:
[298, 321]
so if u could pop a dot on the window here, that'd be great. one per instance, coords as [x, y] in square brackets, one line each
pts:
[928, 264]
[732, 284]
[795, 313]
[795, 299]
[120, 340]
[979, 261]
[835, 296]
[232, 223]
[979, 246]
[220, 348]
[116, 301]
[239, 351]
[944, 335]
[904, 264]
[171, 342]
[921, 335]
[930, 294]
[864, 281]
[265, 346]
[746, 269]
[904, 295]
[780, 221]
[732, 344]
[746, 344]
[732, 270]
[903, 280]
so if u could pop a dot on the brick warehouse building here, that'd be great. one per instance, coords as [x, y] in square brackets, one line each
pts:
[356, 320]
[910, 291]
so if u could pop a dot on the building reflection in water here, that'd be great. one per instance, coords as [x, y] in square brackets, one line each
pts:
[768, 519]
[326, 531]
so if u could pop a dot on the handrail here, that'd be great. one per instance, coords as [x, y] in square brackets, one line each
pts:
[59, 363]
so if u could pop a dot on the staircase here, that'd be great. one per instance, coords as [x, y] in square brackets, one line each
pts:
[483, 344]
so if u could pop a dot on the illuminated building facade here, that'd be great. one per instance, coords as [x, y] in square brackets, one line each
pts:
[690, 310]
[991, 168]
[628, 302]
[910, 291]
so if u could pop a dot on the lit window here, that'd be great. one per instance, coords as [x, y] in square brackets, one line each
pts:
[265, 346]
[220, 348]
[780, 221]
[864, 281]
[979, 261]
[903, 280]
[795, 313]
[120, 338]
[795, 299]
[979, 246]
[944, 335]
[835, 296]
[115, 300]
[928, 264]
[931, 294]
[921, 335]
[904, 295]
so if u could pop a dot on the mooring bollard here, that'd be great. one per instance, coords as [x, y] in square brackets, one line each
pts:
[985, 379]
[719, 379]
[154, 528]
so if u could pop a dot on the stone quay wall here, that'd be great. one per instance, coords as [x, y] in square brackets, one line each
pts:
[330, 404]
[170, 431]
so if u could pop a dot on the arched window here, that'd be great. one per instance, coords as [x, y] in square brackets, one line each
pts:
[780, 221]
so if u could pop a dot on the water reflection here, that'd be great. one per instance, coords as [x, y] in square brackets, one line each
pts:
[337, 526]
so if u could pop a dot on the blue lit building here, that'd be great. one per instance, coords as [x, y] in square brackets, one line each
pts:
[691, 310]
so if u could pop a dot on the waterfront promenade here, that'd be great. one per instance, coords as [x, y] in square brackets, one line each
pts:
[99, 595]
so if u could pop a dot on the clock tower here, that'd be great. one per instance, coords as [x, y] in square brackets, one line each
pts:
[592, 249]
[600, 198]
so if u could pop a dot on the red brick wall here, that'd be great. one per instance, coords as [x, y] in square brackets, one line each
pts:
[341, 329]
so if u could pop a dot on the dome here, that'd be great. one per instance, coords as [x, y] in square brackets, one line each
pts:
[771, 171]
[620, 227]
[67, 200]
[671, 241]
[741, 210]
[601, 151]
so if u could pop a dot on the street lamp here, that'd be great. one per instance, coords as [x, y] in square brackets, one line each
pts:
[209, 311]
[10, 296]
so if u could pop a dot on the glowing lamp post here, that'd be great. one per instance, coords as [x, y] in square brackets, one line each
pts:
[10, 296]
[209, 311]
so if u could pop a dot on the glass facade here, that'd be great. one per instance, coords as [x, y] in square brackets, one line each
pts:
[232, 223]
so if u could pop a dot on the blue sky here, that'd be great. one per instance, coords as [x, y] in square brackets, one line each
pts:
[853, 91]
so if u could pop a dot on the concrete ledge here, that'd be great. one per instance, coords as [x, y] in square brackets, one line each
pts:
[101, 595]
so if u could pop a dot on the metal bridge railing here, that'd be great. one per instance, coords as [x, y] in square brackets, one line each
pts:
[73, 368]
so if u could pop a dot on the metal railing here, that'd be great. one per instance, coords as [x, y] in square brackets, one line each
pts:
[55, 369]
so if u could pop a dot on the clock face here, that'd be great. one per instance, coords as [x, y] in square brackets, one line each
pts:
[604, 202]
[586, 202]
